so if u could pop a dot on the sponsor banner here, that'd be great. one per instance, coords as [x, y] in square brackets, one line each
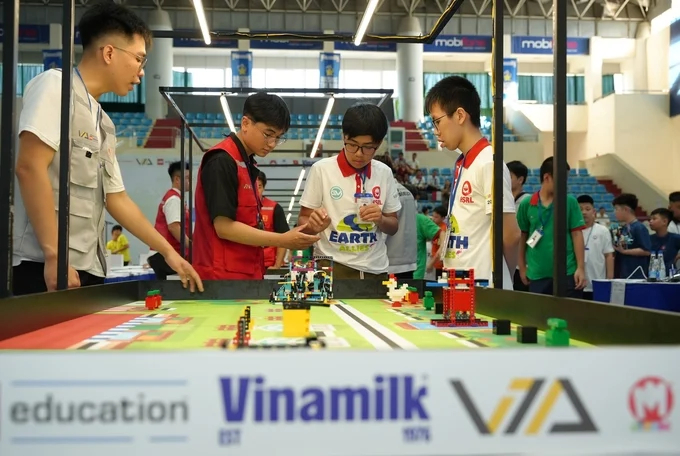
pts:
[510, 80]
[31, 33]
[51, 58]
[370, 46]
[241, 69]
[329, 70]
[215, 42]
[544, 45]
[286, 44]
[403, 404]
[460, 43]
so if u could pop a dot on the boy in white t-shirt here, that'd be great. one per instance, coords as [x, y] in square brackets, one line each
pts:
[351, 201]
[599, 250]
[454, 105]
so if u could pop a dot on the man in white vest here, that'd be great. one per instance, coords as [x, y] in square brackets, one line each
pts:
[114, 54]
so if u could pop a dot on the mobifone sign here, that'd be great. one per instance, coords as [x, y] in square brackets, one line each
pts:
[522, 420]
[393, 399]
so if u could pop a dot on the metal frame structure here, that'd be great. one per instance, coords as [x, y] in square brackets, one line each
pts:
[448, 12]
[10, 61]
[167, 93]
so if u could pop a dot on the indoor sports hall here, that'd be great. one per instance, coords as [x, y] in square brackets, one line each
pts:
[323, 294]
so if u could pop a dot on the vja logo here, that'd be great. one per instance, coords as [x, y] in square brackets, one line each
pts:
[336, 193]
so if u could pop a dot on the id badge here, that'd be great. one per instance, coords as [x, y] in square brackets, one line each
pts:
[363, 199]
[535, 237]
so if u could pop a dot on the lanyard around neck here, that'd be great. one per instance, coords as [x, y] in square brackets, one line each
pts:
[87, 94]
[457, 173]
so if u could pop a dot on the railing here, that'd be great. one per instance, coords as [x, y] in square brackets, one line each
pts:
[634, 92]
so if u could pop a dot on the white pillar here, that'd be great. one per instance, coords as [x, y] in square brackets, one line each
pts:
[55, 36]
[158, 70]
[410, 72]
[593, 71]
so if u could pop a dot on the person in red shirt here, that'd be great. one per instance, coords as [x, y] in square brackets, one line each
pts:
[274, 220]
[229, 233]
[169, 217]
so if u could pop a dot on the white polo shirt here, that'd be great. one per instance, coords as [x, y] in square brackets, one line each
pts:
[332, 183]
[598, 242]
[471, 242]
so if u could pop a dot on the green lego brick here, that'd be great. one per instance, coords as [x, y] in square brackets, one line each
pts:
[428, 294]
[428, 302]
[411, 288]
[557, 323]
[557, 338]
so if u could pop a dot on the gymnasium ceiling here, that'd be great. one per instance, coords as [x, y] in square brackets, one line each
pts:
[616, 10]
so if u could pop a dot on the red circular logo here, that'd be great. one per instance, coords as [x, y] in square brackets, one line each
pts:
[650, 401]
[467, 188]
[376, 192]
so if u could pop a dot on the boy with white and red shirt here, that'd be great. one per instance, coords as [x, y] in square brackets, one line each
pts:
[169, 217]
[454, 106]
[351, 200]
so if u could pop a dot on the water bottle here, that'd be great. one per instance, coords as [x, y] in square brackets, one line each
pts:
[651, 275]
[662, 266]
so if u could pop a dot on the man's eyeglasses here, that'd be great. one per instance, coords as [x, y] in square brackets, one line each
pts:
[140, 59]
[365, 150]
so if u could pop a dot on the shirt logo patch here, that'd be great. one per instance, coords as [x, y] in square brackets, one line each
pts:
[352, 236]
[376, 192]
[466, 191]
[86, 135]
[336, 192]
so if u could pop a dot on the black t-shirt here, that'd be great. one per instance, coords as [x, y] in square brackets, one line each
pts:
[280, 223]
[219, 177]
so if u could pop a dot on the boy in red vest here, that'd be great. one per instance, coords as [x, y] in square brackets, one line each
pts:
[274, 220]
[168, 219]
[229, 234]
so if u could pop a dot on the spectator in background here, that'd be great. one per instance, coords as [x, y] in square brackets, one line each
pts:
[599, 251]
[434, 182]
[168, 219]
[536, 248]
[631, 240]
[674, 207]
[414, 163]
[420, 183]
[274, 220]
[119, 245]
[602, 218]
[518, 177]
[401, 247]
[668, 244]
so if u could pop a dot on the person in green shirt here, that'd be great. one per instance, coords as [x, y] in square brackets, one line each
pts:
[427, 231]
[536, 249]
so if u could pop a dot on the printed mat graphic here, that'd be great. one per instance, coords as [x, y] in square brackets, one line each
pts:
[364, 324]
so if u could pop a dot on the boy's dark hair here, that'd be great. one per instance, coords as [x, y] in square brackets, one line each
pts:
[519, 169]
[586, 199]
[117, 228]
[547, 168]
[108, 18]
[674, 197]
[665, 213]
[262, 177]
[175, 169]
[365, 119]
[441, 210]
[455, 92]
[269, 109]
[626, 199]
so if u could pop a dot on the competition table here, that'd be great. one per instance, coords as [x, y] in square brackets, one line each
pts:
[91, 371]
[639, 293]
